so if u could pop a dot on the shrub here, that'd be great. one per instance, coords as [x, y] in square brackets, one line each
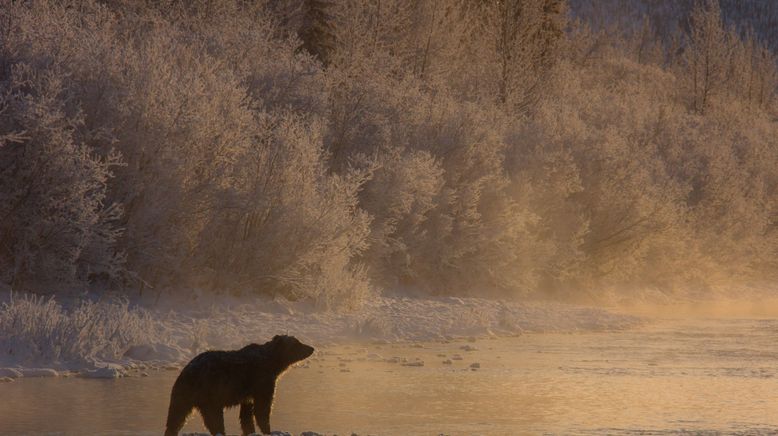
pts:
[38, 329]
[58, 228]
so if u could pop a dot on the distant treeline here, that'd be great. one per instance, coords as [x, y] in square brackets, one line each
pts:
[324, 149]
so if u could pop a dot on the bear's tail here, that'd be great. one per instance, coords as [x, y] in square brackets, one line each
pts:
[179, 410]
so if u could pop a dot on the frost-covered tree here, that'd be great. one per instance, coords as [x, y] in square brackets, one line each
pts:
[287, 226]
[58, 228]
[187, 115]
[524, 37]
[754, 71]
[706, 55]
[321, 149]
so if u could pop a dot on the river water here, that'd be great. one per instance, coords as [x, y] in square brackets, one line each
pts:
[716, 376]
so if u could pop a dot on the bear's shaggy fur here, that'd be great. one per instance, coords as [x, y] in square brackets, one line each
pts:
[247, 377]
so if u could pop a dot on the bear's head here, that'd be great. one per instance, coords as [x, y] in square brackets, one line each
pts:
[289, 349]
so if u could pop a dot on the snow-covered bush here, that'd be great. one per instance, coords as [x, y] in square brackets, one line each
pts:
[225, 183]
[39, 329]
[288, 226]
[478, 239]
[444, 216]
[58, 228]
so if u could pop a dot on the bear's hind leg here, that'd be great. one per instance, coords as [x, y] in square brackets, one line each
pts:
[213, 416]
[247, 418]
[176, 416]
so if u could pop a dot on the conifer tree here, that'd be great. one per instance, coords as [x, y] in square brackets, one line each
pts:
[316, 30]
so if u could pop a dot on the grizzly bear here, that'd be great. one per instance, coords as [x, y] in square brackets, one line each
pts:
[247, 377]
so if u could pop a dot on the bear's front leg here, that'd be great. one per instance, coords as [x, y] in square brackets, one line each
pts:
[247, 418]
[262, 413]
[213, 416]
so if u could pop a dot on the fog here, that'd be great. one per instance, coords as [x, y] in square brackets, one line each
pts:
[765, 308]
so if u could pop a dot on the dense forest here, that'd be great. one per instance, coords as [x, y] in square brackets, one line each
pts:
[326, 150]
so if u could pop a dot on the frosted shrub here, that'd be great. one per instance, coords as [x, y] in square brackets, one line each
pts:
[478, 237]
[620, 200]
[445, 220]
[289, 226]
[224, 185]
[401, 195]
[58, 226]
[38, 329]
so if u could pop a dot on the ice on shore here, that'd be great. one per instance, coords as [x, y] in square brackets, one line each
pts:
[10, 373]
[38, 372]
[105, 372]
[13, 373]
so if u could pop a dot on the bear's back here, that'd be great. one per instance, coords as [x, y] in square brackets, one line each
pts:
[224, 377]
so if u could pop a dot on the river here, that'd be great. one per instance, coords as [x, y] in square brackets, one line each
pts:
[667, 377]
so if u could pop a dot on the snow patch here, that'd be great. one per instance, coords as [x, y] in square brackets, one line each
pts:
[38, 372]
[154, 351]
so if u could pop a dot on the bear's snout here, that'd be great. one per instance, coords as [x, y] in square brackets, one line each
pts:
[305, 351]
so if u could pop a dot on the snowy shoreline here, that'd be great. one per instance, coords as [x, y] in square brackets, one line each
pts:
[49, 338]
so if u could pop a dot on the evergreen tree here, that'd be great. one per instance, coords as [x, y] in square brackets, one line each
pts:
[316, 30]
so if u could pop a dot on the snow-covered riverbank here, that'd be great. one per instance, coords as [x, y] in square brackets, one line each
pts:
[108, 338]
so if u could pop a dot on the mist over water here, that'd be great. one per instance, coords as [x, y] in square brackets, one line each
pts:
[748, 307]
[670, 376]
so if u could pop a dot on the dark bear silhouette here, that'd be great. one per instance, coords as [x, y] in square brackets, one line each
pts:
[217, 379]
